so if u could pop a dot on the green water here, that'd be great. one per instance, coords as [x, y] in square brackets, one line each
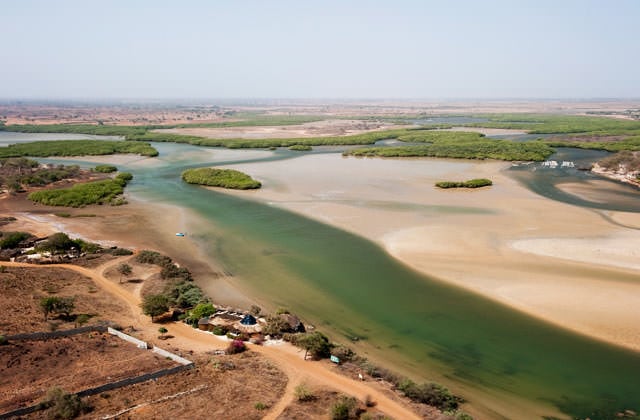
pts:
[351, 287]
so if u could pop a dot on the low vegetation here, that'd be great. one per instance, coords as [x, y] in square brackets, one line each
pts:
[10, 240]
[179, 292]
[98, 192]
[300, 148]
[76, 148]
[63, 405]
[559, 124]
[225, 178]
[105, 169]
[472, 183]
[18, 173]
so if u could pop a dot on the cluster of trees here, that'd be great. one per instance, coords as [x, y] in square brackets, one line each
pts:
[180, 290]
[10, 240]
[225, 178]
[17, 172]
[60, 243]
[80, 195]
[472, 183]
[76, 148]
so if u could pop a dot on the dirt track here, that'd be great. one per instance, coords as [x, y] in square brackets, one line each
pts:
[285, 356]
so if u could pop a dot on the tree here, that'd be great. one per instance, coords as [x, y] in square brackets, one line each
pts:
[59, 305]
[200, 311]
[255, 310]
[124, 270]
[155, 305]
[56, 243]
[316, 343]
[63, 405]
[163, 331]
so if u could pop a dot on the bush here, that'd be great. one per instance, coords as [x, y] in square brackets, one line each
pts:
[200, 311]
[3, 340]
[300, 148]
[219, 330]
[235, 347]
[63, 405]
[344, 409]
[472, 183]
[105, 169]
[303, 394]
[260, 406]
[155, 305]
[152, 257]
[11, 240]
[120, 252]
[430, 393]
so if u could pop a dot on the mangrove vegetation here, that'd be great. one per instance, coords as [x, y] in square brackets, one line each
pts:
[76, 148]
[225, 178]
[472, 183]
[107, 191]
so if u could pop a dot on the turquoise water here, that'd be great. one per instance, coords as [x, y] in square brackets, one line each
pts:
[352, 288]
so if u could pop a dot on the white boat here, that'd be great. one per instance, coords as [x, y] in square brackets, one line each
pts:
[179, 234]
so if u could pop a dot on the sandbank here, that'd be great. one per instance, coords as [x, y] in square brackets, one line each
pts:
[564, 264]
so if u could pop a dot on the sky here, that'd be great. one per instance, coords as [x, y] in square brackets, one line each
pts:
[319, 49]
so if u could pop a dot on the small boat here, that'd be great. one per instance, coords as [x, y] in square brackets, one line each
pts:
[179, 234]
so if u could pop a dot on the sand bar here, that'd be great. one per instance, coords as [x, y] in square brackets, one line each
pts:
[564, 264]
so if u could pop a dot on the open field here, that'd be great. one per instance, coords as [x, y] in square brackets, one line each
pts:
[75, 363]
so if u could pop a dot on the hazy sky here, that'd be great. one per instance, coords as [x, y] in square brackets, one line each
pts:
[320, 49]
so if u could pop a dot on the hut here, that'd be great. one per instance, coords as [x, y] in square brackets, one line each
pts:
[294, 322]
[248, 319]
[203, 323]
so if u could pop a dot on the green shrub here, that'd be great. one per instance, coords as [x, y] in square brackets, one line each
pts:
[225, 178]
[3, 340]
[430, 393]
[472, 183]
[105, 169]
[9, 240]
[260, 406]
[63, 405]
[303, 394]
[300, 148]
[219, 330]
[344, 409]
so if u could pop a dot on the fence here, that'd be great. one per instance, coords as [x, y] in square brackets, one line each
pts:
[184, 364]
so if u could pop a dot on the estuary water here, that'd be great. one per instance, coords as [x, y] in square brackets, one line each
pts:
[507, 364]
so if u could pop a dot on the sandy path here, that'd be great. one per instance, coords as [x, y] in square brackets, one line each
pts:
[288, 358]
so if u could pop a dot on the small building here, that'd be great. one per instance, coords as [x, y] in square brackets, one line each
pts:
[294, 322]
[203, 323]
[248, 319]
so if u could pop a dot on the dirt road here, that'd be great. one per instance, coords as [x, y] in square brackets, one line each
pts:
[288, 358]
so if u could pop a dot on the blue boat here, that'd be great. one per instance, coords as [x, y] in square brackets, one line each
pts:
[179, 234]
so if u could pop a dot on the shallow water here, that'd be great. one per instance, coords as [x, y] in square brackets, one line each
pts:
[352, 288]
